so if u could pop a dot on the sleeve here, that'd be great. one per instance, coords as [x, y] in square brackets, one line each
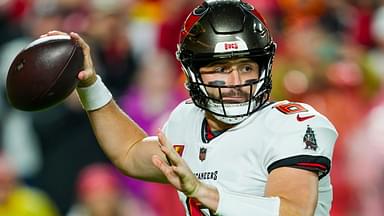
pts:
[306, 146]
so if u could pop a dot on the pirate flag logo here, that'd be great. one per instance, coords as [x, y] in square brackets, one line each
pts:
[309, 139]
[203, 153]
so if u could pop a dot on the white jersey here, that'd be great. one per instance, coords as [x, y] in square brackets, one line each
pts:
[240, 159]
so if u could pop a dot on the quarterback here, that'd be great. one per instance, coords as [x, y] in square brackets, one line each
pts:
[228, 150]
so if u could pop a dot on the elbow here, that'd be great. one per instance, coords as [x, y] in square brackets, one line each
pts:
[124, 160]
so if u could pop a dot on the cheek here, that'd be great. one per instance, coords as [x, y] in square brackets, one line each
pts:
[250, 76]
[212, 91]
[206, 78]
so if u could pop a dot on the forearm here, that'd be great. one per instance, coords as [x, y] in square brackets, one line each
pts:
[122, 140]
[290, 208]
[125, 143]
[296, 188]
[115, 131]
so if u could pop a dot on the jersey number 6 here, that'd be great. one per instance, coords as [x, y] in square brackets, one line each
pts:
[290, 108]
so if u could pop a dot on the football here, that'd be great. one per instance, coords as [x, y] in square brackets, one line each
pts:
[44, 73]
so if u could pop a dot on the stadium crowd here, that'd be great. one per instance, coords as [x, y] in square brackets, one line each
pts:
[330, 55]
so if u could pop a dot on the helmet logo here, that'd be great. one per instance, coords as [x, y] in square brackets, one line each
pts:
[230, 46]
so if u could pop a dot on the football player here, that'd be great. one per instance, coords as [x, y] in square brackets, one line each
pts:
[228, 150]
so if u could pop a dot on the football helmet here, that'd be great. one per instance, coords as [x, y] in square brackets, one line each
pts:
[226, 29]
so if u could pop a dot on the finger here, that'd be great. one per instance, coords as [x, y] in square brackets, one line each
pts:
[55, 32]
[180, 171]
[88, 75]
[165, 150]
[164, 141]
[163, 167]
[168, 149]
[86, 49]
[83, 75]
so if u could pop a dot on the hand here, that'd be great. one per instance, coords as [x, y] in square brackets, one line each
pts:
[87, 76]
[177, 172]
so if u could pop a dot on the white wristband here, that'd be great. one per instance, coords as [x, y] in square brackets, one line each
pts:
[235, 204]
[94, 96]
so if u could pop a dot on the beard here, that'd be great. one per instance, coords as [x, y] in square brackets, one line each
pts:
[231, 95]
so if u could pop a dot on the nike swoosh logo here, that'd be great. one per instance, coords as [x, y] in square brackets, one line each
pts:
[300, 119]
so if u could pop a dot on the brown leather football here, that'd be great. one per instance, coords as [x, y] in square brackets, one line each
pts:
[44, 73]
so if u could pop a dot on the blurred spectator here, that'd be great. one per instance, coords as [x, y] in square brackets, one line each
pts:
[144, 19]
[304, 51]
[36, 22]
[18, 139]
[175, 12]
[361, 28]
[100, 193]
[366, 141]
[337, 18]
[67, 145]
[154, 92]
[17, 199]
[39, 142]
[12, 13]
[54, 135]
[296, 11]
[365, 163]
[376, 54]
[342, 100]
[111, 48]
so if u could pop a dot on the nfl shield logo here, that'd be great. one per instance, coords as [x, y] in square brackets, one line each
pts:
[202, 154]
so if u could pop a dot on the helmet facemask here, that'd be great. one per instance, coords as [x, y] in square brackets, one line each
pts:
[256, 90]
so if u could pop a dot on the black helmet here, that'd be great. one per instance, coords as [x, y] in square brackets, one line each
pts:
[222, 29]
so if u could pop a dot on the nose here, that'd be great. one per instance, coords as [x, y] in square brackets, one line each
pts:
[234, 77]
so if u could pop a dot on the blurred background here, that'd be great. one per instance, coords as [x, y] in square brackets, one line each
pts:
[330, 54]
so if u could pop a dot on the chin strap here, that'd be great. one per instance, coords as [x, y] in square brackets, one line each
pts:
[231, 113]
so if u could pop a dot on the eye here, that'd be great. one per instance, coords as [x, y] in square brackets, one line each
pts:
[247, 68]
[221, 69]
